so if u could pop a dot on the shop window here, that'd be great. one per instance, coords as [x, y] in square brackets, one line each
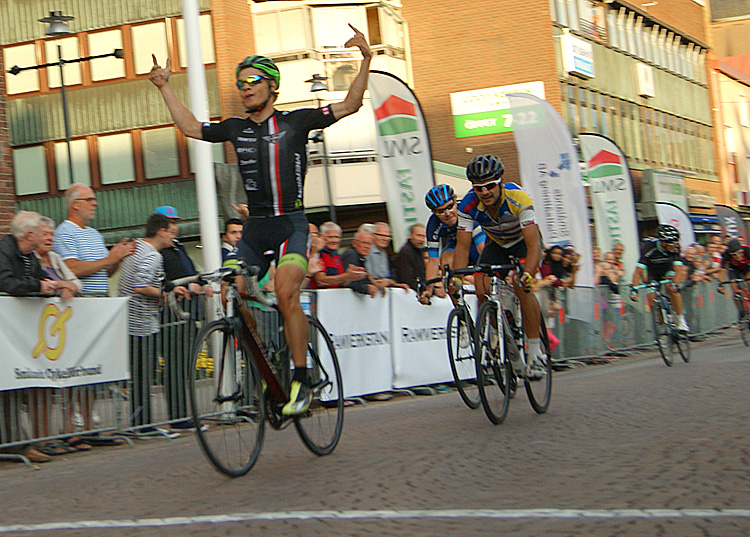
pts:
[71, 71]
[104, 43]
[21, 56]
[149, 39]
[79, 149]
[116, 163]
[207, 40]
[30, 170]
[160, 157]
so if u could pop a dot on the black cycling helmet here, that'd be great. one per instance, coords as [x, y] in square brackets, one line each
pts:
[262, 64]
[438, 195]
[668, 234]
[484, 168]
[733, 246]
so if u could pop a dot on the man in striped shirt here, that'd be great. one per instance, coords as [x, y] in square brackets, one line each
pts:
[82, 247]
[142, 280]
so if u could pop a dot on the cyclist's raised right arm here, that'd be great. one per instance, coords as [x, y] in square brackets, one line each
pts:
[182, 116]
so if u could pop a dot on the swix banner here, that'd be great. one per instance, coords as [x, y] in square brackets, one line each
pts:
[551, 175]
[732, 224]
[674, 216]
[612, 199]
[404, 151]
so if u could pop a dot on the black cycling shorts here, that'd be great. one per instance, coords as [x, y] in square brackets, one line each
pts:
[494, 254]
[286, 236]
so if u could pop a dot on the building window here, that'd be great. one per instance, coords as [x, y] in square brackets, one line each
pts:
[160, 156]
[71, 71]
[330, 26]
[104, 43]
[207, 40]
[30, 170]
[22, 56]
[217, 150]
[116, 164]
[149, 39]
[282, 31]
[79, 149]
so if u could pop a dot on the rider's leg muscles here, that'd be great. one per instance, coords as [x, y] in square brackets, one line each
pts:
[289, 277]
[675, 298]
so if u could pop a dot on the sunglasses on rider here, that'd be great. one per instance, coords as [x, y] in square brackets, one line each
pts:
[489, 185]
[251, 81]
[448, 208]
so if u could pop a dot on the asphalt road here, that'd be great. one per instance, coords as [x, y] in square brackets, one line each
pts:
[628, 448]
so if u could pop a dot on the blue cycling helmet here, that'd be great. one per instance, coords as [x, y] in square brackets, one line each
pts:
[438, 195]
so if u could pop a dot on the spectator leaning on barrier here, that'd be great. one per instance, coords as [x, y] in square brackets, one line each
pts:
[143, 281]
[377, 262]
[333, 274]
[356, 255]
[20, 271]
[230, 237]
[409, 263]
[51, 261]
[82, 247]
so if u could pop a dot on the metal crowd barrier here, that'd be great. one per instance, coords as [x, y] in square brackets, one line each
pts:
[589, 324]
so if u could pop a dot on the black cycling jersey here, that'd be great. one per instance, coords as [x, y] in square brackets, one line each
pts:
[658, 263]
[271, 156]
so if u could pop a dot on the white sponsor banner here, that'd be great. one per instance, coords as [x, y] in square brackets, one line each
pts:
[674, 216]
[420, 351]
[360, 330]
[49, 343]
[551, 175]
[611, 191]
[404, 152]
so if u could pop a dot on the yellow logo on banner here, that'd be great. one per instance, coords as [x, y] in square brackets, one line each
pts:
[56, 327]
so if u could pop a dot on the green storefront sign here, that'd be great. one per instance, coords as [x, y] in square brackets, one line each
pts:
[479, 123]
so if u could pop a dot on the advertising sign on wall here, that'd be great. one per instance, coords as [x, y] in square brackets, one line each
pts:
[487, 111]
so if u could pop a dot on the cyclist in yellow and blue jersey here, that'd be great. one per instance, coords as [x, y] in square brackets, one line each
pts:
[506, 213]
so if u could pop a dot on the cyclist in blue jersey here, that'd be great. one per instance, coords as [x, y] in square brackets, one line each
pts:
[660, 259]
[506, 213]
[271, 154]
[441, 236]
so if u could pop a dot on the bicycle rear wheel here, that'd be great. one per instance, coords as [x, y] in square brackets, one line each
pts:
[539, 391]
[460, 338]
[662, 331]
[682, 341]
[495, 378]
[320, 427]
[226, 398]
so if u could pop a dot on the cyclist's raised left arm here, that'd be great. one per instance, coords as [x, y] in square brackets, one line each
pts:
[353, 100]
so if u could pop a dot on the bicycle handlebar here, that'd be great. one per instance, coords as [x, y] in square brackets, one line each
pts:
[737, 280]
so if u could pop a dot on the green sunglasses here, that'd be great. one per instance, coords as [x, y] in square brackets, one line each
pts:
[251, 81]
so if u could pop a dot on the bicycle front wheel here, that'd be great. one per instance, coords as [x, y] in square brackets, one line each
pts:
[495, 378]
[320, 427]
[662, 331]
[539, 390]
[460, 338]
[226, 396]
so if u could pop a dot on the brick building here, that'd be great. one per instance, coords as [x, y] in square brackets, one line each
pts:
[645, 87]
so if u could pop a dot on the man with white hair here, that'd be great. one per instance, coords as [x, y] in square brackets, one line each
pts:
[82, 247]
[20, 271]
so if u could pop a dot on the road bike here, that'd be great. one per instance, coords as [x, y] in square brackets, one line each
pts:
[742, 301]
[459, 337]
[238, 381]
[669, 340]
[500, 342]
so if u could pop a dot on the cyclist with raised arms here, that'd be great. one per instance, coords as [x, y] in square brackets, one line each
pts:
[271, 153]
[736, 262]
[441, 236]
[506, 213]
[660, 256]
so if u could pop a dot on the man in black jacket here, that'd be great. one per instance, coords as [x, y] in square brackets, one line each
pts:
[20, 271]
[409, 263]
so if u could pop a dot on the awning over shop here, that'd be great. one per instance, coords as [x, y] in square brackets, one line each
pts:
[705, 223]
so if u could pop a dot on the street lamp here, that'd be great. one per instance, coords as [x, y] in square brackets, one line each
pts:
[318, 84]
[58, 28]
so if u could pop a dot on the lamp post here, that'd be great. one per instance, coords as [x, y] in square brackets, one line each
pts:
[318, 84]
[58, 28]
